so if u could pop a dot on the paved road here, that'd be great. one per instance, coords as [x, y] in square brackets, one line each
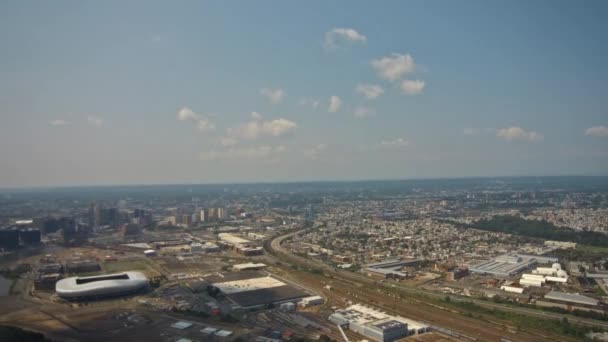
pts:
[276, 247]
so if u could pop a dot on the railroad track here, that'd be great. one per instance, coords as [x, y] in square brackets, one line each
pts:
[274, 247]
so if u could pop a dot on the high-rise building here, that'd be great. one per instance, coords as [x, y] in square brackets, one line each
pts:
[130, 229]
[196, 218]
[9, 238]
[29, 236]
[51, 224]
[203, 215]
[139, 213]
[212, 214]
[221, 213]
[110, 217]
[94, 215]
[187, 220]
[75, 234]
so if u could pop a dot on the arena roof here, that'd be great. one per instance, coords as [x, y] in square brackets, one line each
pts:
[101, 285]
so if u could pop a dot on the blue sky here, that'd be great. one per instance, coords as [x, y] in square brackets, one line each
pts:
[121, 92]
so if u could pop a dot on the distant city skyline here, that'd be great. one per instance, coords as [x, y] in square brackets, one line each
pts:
[114, 93]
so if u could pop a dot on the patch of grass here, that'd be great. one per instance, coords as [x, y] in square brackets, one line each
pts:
[526, 323]
[592, 249]
[129, 265]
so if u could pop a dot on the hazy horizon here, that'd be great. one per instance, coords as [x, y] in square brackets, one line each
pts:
[153, 93]
[301, 181]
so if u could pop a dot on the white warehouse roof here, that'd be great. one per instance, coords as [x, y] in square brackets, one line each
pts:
[571, 297]
[232, 239]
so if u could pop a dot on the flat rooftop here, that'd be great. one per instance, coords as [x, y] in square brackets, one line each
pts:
[571, 297]
[250, 288]
[245, 285]
[267, 296]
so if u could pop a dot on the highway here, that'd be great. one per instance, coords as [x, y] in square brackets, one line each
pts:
[275, 246]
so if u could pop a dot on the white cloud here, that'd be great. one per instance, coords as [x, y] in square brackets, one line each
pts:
[334, 104]
[59, 122]
[314, 151]
[263, 152]
[364, 112]
[156, 38]
[370, 91]
[314, 103]
[227, 141]
[412, 87]
[202, 123]
[258, 128]
[597, 131]
[470, 131]
[95, 120]
[274, 95]
[394, 143]
[278, 127]
[517, 133]
[256, 116]
[394, 66]
[186, 114]
[337, 36]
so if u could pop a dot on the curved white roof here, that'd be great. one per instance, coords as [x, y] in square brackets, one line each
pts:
[100, 285]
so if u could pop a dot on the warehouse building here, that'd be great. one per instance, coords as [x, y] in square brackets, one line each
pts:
[376, 325]
[504, 265]
[233, 240]
[82, 266]
[542, 275]
[249, 267]
[310, 301]
[251, 289]
[394, 263]
[383, 273]
[239, 244]
[512, 289]
[571, 298]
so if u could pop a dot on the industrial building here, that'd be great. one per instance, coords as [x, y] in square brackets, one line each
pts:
[82, 266]
[542, 275]
[105, 285]
[394, 263]
[456, 274]
[512, 289]
[384, 273]
[232, 239]
[310, 301]
[560, 244]
[389, 269]
[376, 325]
[239, 244]
[504, 265]
[571, 298]
[541, 259]
[251, 289]
[249, 267]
